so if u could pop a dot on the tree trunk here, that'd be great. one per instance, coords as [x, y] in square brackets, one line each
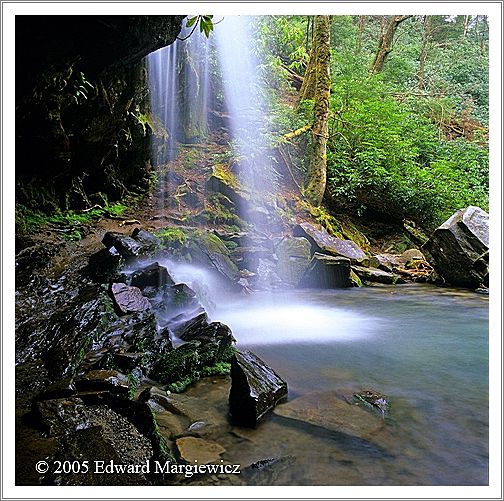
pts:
[385, 41]
[307, 90]
[360, 31]
[316, 176]
[424, 50]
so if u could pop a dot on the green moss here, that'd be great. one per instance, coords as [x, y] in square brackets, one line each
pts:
[223, 172]
[172, 237]
[355, 279]
[218, 369]
[189, 362]
[160, 443]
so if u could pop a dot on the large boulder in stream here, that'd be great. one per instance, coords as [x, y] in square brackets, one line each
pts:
[208, 249]
[294, 255]
[255, 389]
[459, 248]
[325, 243]
[327, 272]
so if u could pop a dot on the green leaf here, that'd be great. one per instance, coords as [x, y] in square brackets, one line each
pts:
[190, 22]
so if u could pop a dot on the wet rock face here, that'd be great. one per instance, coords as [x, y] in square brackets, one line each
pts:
[255, 389]
[139, 243]
[327, 272]
[128, 299]
[294, 255]
[325, 243]
[376, 275]
[65, 141]
[153, 275]
[459, 248]
[208, 249]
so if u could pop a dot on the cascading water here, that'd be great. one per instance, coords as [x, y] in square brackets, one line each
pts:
[180, 93]
[244, 102]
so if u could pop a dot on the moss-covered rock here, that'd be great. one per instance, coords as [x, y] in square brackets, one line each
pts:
[209, 348]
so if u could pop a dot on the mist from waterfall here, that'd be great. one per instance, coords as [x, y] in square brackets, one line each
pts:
[243, 100]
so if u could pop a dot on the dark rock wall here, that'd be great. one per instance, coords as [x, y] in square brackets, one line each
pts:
[82, 106]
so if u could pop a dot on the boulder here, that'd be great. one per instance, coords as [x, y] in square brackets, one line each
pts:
[459, 248]
[209, 347]
[139, 243]
[225, 182]
[376, 275]
[386, 261]
[149, 242]
[126, 246]
[327, 272]
[294, 254]
[255, 389]
[129, 299]
[209, 250]
[325, 243]
[153, 275]
[104, 265]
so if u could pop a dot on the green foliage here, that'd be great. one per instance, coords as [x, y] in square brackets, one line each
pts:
[172, 237]
[218, 369]
[385, 158]
[70, 224]
[391, 148]
[205, 24]
[134, 384]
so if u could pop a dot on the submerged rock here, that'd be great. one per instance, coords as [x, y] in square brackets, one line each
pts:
[192, 449]
[255, 389]
[459, 248]
[128, 299]
[328, 410]
[327, 272]
[325, 243]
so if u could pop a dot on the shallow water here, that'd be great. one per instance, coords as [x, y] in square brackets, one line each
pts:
[426, 348]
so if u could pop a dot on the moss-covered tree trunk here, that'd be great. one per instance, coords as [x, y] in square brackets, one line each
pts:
[316, 176]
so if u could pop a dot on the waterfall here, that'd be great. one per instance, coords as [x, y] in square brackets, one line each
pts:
[180, 92]
[244, 101]
[183, 90]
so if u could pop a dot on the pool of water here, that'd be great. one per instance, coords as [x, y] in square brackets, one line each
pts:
[426, 348]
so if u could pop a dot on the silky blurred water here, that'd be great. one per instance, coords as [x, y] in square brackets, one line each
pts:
[426, 348]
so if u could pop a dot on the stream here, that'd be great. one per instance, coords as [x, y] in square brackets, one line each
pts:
[424, 347]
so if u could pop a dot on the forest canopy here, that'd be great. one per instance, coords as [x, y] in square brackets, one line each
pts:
[408, 111]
